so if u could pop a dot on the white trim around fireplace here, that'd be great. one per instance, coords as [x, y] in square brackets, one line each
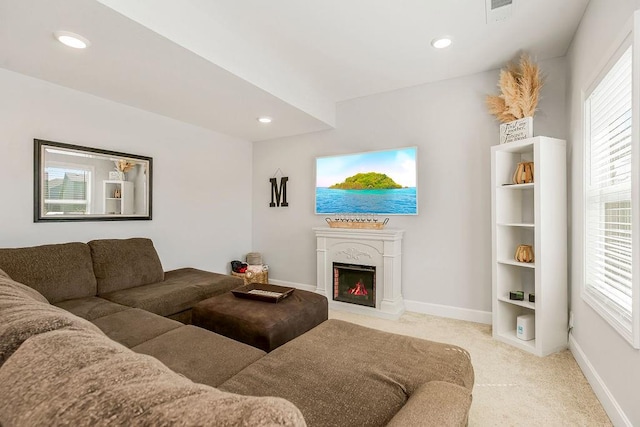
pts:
[379, 248]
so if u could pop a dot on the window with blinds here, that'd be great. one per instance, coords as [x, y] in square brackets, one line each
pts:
[608, 213]
[66, 190]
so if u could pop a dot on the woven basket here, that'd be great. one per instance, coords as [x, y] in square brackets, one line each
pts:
[251, 277]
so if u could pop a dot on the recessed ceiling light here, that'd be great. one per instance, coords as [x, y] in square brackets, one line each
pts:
[71, 39]
[264, 119]
[441, 42]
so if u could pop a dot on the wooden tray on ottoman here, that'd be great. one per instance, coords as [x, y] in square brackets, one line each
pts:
[262, 292]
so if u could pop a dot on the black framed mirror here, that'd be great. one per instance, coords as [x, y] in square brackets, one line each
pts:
[75, 183]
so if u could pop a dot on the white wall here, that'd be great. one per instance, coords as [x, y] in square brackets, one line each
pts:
[447, 247]
[200, 214]
[609, 362]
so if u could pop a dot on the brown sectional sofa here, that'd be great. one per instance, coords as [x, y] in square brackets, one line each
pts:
[85, 358]
[128, 272]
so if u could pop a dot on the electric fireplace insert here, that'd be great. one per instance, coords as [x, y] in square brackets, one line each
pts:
[355, 284]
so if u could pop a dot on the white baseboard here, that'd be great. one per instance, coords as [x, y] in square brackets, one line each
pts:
[609, 403]
[417, 306]
[449, 311]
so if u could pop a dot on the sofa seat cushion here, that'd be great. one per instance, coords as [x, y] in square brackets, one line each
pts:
[59, 272]
[25, 313]
[180, 291]
[91, 308]
[133, 326]
[341, 374]
[182, 317]
[200, 355]
[67, 378]
[125, 263]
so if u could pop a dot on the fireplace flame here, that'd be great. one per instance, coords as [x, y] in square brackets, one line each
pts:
[358, 289]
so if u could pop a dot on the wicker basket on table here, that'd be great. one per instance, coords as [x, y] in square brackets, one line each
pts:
[253, 277]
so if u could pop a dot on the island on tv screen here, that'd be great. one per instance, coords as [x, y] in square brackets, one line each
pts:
[376, 182]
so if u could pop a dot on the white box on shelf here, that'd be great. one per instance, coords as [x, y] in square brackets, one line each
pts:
[516, 130]
[526, 327]
[116, 176]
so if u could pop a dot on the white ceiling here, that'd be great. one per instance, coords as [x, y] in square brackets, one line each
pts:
[222, 63]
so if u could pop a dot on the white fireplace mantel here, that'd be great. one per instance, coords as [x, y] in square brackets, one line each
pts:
[379, 248]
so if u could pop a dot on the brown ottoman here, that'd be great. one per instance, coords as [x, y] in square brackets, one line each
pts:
[264, 325]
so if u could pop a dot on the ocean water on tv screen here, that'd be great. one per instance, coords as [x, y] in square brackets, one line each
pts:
[401, 201]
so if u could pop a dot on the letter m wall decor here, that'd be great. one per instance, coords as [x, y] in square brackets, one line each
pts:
[278, 193]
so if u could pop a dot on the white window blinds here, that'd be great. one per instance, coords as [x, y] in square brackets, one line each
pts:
[608, 249]
[66, 190]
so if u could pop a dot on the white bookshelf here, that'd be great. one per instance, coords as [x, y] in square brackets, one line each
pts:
[533, 214]
[122, 205]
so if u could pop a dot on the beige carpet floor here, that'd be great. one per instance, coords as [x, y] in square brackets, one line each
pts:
[512, 387]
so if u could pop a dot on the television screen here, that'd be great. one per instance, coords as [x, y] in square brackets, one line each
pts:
[375, 182]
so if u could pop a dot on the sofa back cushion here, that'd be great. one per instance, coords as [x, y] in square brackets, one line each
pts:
[125, 263]
[59, 272]
[75, 377]
[25, 313]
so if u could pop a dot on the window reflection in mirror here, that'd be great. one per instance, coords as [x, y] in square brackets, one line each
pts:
[83, 183]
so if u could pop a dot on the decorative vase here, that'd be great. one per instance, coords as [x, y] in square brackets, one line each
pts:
[524, 253]
[523, 173]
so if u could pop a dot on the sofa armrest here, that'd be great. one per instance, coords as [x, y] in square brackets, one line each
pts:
[436, 403]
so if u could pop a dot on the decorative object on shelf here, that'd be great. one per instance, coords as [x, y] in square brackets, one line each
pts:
[524, 253]
[516, 295]
[356, 221]
[278, 192]
[116, 176]
[523, 173]
[526, 327]
[122, 166]
[117, 193]
[520, 86]
[532, 297]
[516, 130]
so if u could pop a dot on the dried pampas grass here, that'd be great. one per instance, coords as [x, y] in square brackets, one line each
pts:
[520, 85]
[497, 107]
[123, 165]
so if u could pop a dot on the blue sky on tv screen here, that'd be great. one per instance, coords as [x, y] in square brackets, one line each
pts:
[399, 164]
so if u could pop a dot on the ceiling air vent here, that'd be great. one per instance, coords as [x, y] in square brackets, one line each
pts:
[498, 10]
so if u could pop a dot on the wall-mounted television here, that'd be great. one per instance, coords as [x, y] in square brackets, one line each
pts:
[374, 182]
